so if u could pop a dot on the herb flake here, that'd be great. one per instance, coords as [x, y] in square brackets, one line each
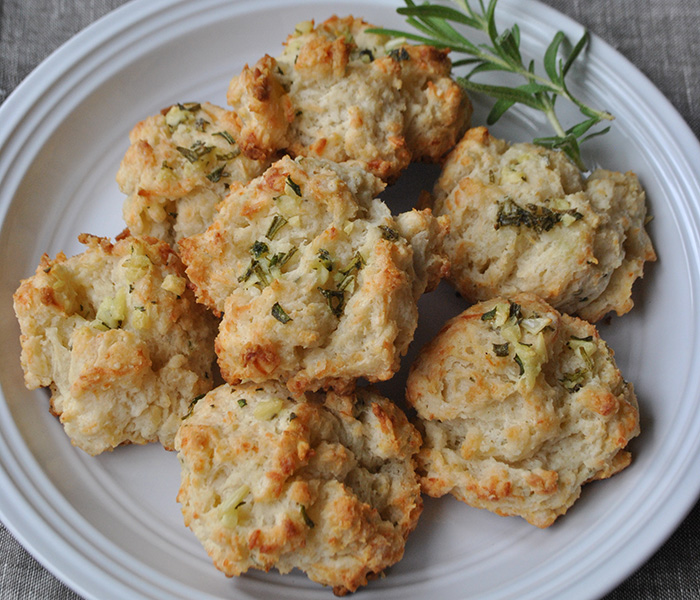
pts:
[294, 186]
[307, 520]
[489, 315]
[324, 257]
[501, 350]
[192, 405]
[519, 360]
[335, 299]
[388, 233]
[216, 175]
[278, 221]
[227, 136]
[279, 313]
[399, 54]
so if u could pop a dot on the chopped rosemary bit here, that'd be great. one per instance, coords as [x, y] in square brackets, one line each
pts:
[515, 311]
[573, 382]
[281, 258]
[195, 152]
[309, 523]
[335, 299]
[585, 347]
[518, 360]
[188, 154]
[192, 405]
[292, 416]
[258, 249]
[345, 282]
[242, 402]
[324, 258]
[489, 315]
[294, 186]
[356, 264]
[278, 222]
[261, 275]
[217, 174]
[399, 54]
[201, 124]
[249, 271]
[388, 233]
[539, 218]
[190, 106]
[227, 136]
[255, 268]
[279, 313]
[501, 349]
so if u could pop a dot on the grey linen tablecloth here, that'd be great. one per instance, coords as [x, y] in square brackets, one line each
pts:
[662, 37]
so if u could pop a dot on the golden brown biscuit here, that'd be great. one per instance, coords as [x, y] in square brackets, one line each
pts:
[521, 406]
[179, 165]
[118, 337]
[340, 93]
[325, 484]
[315, 281]
[523, 218]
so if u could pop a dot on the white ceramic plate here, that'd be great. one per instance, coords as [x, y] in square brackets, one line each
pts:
[110, 526]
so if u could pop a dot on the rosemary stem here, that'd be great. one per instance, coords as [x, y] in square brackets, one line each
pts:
[553, 119]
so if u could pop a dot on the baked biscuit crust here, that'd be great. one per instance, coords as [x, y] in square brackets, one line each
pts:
[337, 92]
[323, 484]
[520, 406]
[179, 166]
[118, 337]
[524, 219]
[315, 281]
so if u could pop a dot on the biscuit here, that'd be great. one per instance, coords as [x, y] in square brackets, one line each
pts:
[178, 167]
[316, 284]
[520, 406]
[340, 93]
[325, 484]
[523, 218]
[120, 340]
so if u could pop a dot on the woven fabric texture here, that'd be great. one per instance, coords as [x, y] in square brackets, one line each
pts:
[661, 37]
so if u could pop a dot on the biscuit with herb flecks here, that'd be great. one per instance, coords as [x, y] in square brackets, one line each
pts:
[315, 281]
[341, 93]
[520, 405]
[325, 484]
[178, 168]
[524, 218]
[117, 335]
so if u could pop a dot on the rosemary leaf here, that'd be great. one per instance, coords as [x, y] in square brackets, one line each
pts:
[279, 313]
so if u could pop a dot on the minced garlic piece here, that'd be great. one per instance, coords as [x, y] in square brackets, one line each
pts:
[136, 266]
[173, 283]
[268, 410]
[112, 311]
[229, 510]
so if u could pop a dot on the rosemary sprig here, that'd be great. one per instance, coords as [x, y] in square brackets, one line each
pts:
[503, 54]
